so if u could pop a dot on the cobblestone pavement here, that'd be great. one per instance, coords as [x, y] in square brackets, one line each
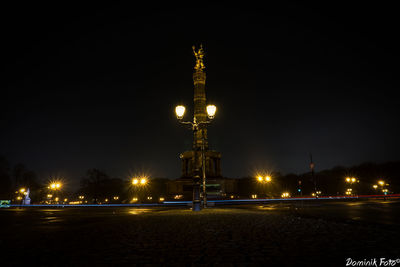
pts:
[178, 237]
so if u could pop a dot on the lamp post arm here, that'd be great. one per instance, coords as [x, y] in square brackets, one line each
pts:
[186, 122]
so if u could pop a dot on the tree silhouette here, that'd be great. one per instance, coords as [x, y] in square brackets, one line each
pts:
[5, 181]
[94, 184]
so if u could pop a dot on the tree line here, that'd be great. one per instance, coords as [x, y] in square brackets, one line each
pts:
[96, 185]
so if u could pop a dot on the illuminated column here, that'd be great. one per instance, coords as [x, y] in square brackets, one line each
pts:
[199, 99]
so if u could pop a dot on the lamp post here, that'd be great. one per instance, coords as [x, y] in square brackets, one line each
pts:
[139, 181]
[264, 180]
[195, 126]
[383, 186]
[54, 186]
[351, 181]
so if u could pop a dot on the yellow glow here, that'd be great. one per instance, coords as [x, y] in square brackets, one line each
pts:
[116, 198]
[353, 180]
[375, 186]
[211, 110]
[349, 189]
[285, 194]
[313, 194]
[162, 199]
[65, 199]
[259, 178]
[49, 196]
[180, 111]
[381, 183]
[81, 197]
[268, 178]
[55, 185]
[56, 199]
[149, 198]
[19, 198]
[143, 181]
[22, 190]
[134, 199]
[254, 196]
[348, 179]
[135, 181]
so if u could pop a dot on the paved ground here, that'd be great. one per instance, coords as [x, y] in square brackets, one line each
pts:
[226, 236]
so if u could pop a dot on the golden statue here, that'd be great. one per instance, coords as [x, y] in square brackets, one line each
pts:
[199, 58]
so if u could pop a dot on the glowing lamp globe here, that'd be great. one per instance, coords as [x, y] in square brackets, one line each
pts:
[180, 111]
[211, 110]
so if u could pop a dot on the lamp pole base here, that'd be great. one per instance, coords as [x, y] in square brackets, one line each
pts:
[196, 206]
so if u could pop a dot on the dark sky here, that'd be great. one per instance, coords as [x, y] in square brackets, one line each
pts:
[96, 86]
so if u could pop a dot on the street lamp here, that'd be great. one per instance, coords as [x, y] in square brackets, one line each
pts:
[351, 181]
[139, 182]
[383, 186]
[264, 180]
[180, 112]
[195, 126]
[54, 186]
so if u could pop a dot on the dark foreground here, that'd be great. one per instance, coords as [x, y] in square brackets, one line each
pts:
[320, 235]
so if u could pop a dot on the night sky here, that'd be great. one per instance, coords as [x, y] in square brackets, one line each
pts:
[96, 86]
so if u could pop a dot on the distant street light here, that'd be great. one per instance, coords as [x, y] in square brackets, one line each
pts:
[351, 181]
[138, 182]
[54, 186]
[264, 180]
[383, 186]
